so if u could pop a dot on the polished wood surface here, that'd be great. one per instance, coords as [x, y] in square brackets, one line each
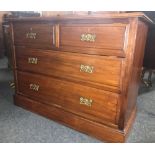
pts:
[67, 95]
[107, 36]
[95, 129]
[43, 35]
[84, 73]
[68, 65]
[86, 18]
[135, 69]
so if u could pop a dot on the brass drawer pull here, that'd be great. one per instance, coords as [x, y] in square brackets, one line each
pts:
[32, 60]
[88, 37]
[34, 87]
[85, 101]
[31, 35]
[86, 68]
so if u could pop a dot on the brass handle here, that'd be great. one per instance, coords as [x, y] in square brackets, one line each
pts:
[34, 87]
[31, 35]
[32, 60]
[86, 68]
[85, 101]
[88, 37]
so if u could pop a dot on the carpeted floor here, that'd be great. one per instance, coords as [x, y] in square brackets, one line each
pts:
[20, 126]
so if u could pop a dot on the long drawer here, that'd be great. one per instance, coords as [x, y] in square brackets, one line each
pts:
[93, 38]
[93, 70]
[91, 103]
[37, 35]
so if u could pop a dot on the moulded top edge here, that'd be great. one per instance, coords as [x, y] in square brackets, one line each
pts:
[89, 17]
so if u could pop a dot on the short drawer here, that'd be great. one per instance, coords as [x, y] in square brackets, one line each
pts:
[101, 71]
[92, 39]
[38, 35]
[85, 101]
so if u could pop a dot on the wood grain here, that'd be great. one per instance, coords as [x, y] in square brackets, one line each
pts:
[67, 95]
[94, 129]
[107, 36]
[136, 68]
[44, 33]
[53, 86]
[67, 65]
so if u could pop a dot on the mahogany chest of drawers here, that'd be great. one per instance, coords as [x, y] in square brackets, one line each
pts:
[82, 71]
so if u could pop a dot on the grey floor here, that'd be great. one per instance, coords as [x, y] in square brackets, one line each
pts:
[20, 126]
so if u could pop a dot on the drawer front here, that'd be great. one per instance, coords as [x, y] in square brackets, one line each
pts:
[34, 35]
[96, 70]
[88, 102]
[93, 39]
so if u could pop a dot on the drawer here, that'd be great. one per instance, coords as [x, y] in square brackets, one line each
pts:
[34, 35]
[100, 71]
[88, 102]
[92, 39]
